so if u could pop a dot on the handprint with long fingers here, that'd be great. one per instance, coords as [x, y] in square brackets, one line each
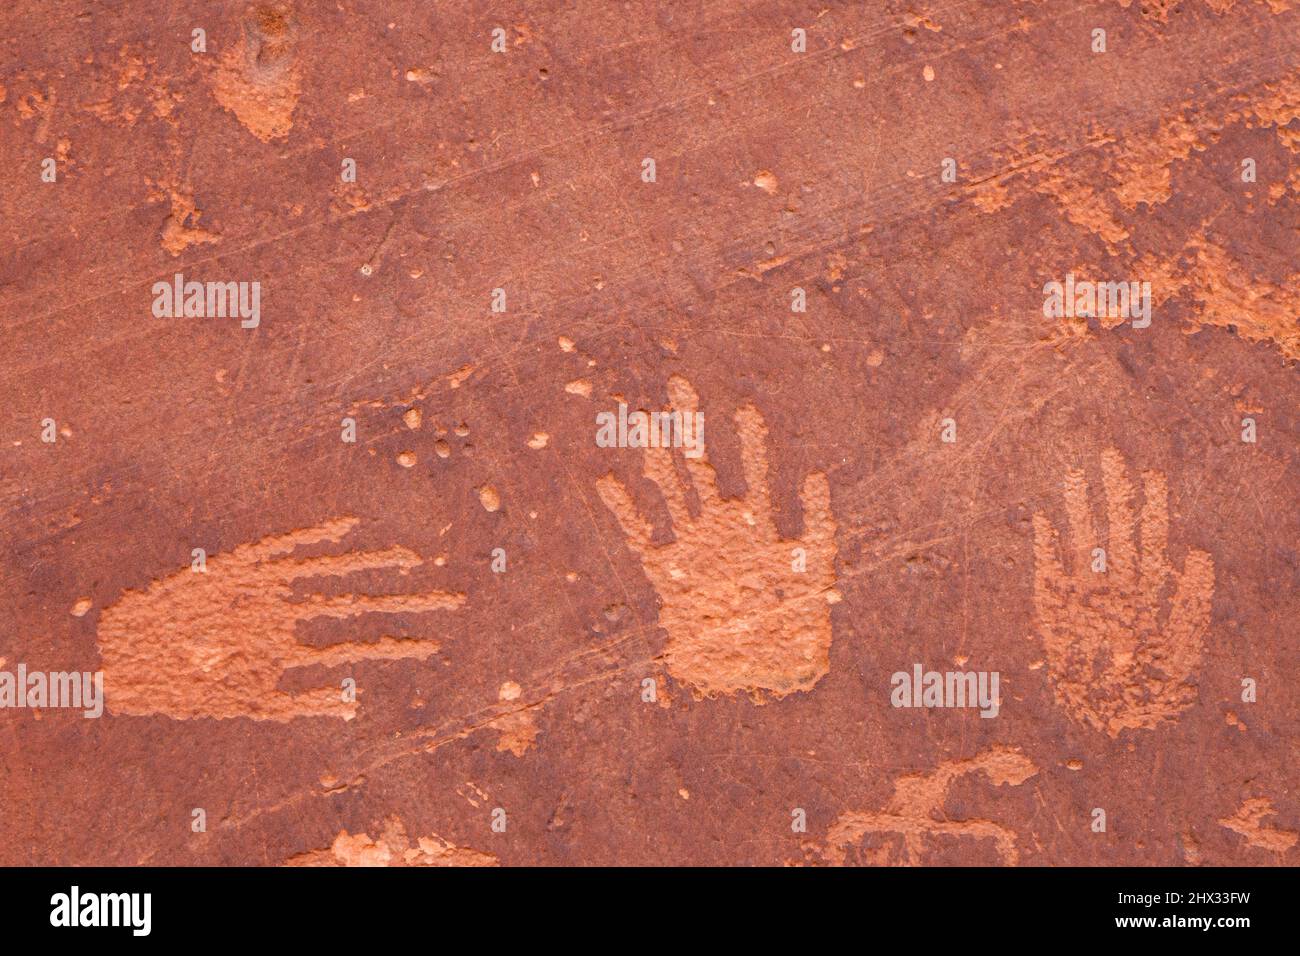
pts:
[744, 610]
[1116, 659]
[216, 644]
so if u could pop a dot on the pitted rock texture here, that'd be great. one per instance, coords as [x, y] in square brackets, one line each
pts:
[363, 585]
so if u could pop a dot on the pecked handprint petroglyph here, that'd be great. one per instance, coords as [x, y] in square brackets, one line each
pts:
[217, 644]
[739, 618]
[916, 810]
[1116, 661]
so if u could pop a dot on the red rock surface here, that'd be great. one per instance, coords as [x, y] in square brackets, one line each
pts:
[522, 696]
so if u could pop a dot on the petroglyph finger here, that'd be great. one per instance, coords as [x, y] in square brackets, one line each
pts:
[353, 605]
[752, 432]
[1083, 534]
[818, 519]
[635, 528]
[1153, 533]
[703, 478]
[331, 531]
[337, 565]
[1119, 516]
[659, 468]
[1188, 617]
[1048, 570]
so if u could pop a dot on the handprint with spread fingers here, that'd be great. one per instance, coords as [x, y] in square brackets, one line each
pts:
[1117, 660]
[216, 644]
[744, 612]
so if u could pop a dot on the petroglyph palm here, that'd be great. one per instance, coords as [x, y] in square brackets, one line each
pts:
[1116, 661]
[916, 810]
[217, 644]
[738, 616]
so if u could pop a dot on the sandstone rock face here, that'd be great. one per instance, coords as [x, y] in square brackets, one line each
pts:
[650, 434]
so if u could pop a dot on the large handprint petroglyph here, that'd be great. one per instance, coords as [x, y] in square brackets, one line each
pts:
[216, 644]
[1116, 662]
[739, 617]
